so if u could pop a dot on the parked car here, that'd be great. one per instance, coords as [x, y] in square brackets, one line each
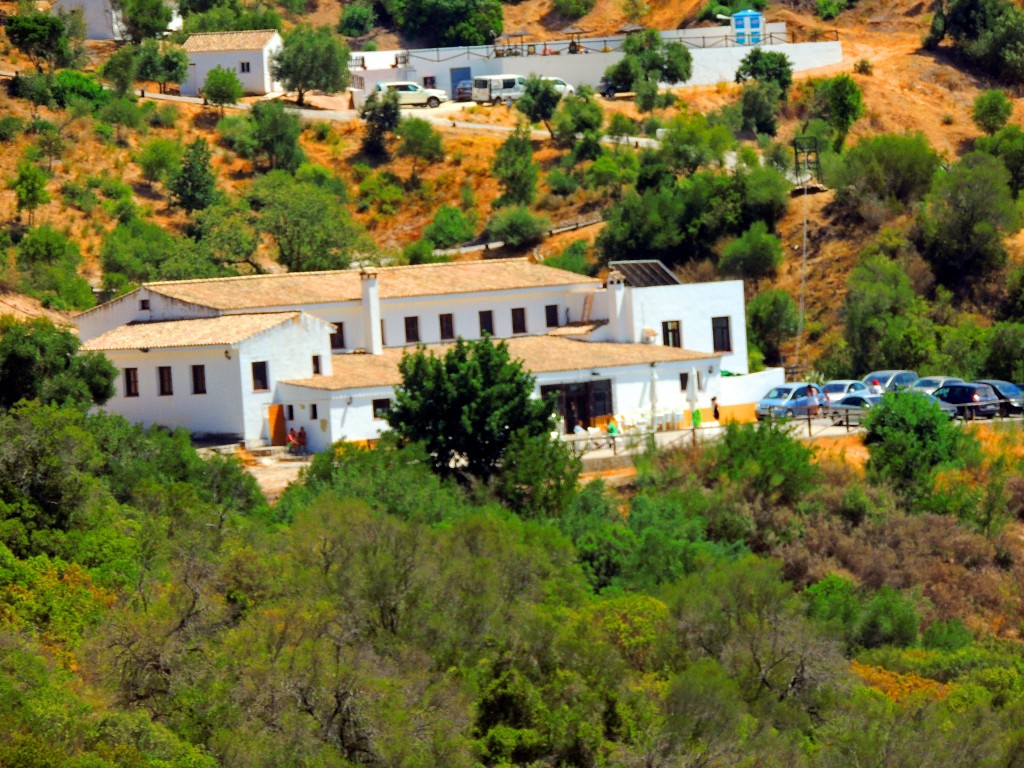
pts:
[947, 408]
[890, 381]
[790, 400]
[837, 389]
[464, 90]
[494, 89]
[971, 400]
[852, 409]
[1011, 395]
[561, 86]
[413, 94]
[929, 384]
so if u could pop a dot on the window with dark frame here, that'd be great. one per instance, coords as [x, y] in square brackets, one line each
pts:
[447, 327]
[289, 412]
[316, 365]
[260, 379]
[313, 411]
[518, 320]
[198, 379]
[164, 377]
[684, 381]
[551, 314]
[143, 304]
[338, 337]
[244, 67]
[412, 330]
[131, 382]
[486, 322]
[670, 334]
[720, 334]
[381, 408]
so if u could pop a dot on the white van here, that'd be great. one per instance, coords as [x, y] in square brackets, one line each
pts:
[494, 89]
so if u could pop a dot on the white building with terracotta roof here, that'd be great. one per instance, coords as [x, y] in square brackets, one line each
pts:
[247, 358]
[247, 53]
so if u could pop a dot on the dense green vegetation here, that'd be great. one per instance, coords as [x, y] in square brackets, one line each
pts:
[155, 611]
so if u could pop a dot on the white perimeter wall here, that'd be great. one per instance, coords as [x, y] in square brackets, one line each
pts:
[738, 390]
[219, 411]
[693, 305]
[256, 81]
[710, 65]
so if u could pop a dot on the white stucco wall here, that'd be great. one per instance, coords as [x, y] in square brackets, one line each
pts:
[257, 81]
[694, 305]
[128, 309]
[219, 411]
[344, 415]
[99, 17]
[288, 350]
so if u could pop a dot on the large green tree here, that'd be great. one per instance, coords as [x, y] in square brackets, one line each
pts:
[312, 59]
[420, 141]
[772, 317]
[39, 36]
[162, 63]
[382, 115]
[515, 169]
[222, 87]
[539, 101]
[647, 61]
[967, 214]
[312, 229]
[767, 67]
[121, 69]
[38, 360]
[467, 407]
[144, 18]
[194, 186]
[276, 135]
[30, 188]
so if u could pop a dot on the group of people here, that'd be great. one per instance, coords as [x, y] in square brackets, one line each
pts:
[297, 441]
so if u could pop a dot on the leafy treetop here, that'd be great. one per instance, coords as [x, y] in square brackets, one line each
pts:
[312, 59]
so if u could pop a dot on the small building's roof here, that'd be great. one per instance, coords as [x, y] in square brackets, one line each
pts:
[644, 273]
[577, 329]
[197, 332]
[212, 42]
[539, 354]
[308, 288]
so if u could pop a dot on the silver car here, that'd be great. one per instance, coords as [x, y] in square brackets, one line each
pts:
[789, 401]
[853, 408]
[928, 384]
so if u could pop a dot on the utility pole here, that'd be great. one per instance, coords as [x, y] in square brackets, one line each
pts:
[805, 167]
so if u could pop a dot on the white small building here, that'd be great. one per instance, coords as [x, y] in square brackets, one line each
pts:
[248, 54]
[246, 358]
[102, 21]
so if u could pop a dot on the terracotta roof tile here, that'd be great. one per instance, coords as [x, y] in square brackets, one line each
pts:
[577, 329]
[200, 332]
[308, 288]
[540, 354]
[212, 42]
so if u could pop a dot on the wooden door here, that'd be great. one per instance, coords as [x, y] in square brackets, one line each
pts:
[278, 433]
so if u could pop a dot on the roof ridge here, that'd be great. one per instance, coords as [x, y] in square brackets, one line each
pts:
[393, 267]
[231, 32]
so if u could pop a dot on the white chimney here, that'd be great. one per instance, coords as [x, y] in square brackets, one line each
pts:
[371, 313]
[618, 327]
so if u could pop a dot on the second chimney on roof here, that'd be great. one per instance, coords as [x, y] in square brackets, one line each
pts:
[373, 337]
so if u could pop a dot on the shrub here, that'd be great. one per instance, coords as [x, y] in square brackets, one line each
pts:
[562, 182]
[49, 262]
[863, 67]
[164, 116]
[772, 317]
[450, 227]
[763, 459]
[10, 127]
[885, 171]
[573, 9]
[422, 252]
[572, 258]
[767, 67]
[236, 131]
[829, 9]
[357, 19]
[949, 635]
[907, 436]
[889, 618]
[322, 131]
[517, 227]
[79, 196]
[69, 84]
[758, 106]
[991, 111]
[756, 253]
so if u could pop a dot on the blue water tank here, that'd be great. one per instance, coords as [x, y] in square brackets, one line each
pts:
[748, 27]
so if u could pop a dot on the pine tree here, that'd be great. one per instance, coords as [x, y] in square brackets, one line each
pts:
[195, 187]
